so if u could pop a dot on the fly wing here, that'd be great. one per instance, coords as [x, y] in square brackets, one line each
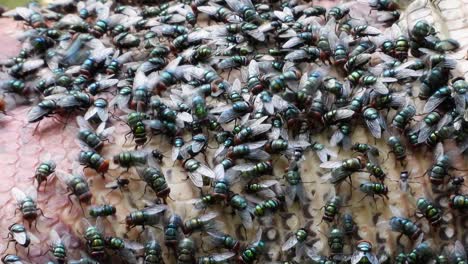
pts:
[344, 113]
[279, 103]
[155, 209]
[432, 103]
[32, 64]
[102, 113]
[459, 251]
[380, 87]
[90, 113]
[196, 179]
[223, 256]
[256, 34]
[85, 224]
[64, 177]
[258, 236]
[439, 151]
[128, 255]
[396, 211]
[68, 101]
[206, 171]
[54, 236]
[35, 113]
[336, 138]
[83, 124]
[219, 171]
[292, 42]
[253, 122]
[18, 194]
[331, 164]
[444, 121]
[246, 218]
[297, 55]
[291, 192]
[103, 132]
[256, 145]
[220, 109]
[232, 175]
[102, 10]
[258, 154]
[253, 68]
[108, 82]
[197, 146]
[324, 153]
[374, 127]
[312, 254]
[424, 131]
[112, 185]
[268, 183]
[20, 237]
[331, 194]
[260, 129]
[372, 258]
[31, 191]
[99, 224]
[208, 216]
[221, 151]
[243, 167]
[234, 4]
[291, 242]
[210, 10]
[299, 144]
[140, 79]
[185, 117]
[357, 256]
[227, 116]
[47, 157]
[175, 153]
[24, 12]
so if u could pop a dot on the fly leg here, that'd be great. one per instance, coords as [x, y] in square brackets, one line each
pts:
[42, 213]
[35, 129]
[365, 198]
[70, 200]
[126, 137]
[388, 156]
[110, 192]
[206, 251]
[66, 120]
[229, 74]
[35, 226]
[242, 227]
[375, 201]
[14, 215]
[399, 239]
[142, 230]
[350, 185]
[205, 157]
[144, 192]
[8, 244]
[82, 208]
[45, 185]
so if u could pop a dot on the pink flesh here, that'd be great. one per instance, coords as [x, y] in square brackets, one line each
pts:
[20, 153]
